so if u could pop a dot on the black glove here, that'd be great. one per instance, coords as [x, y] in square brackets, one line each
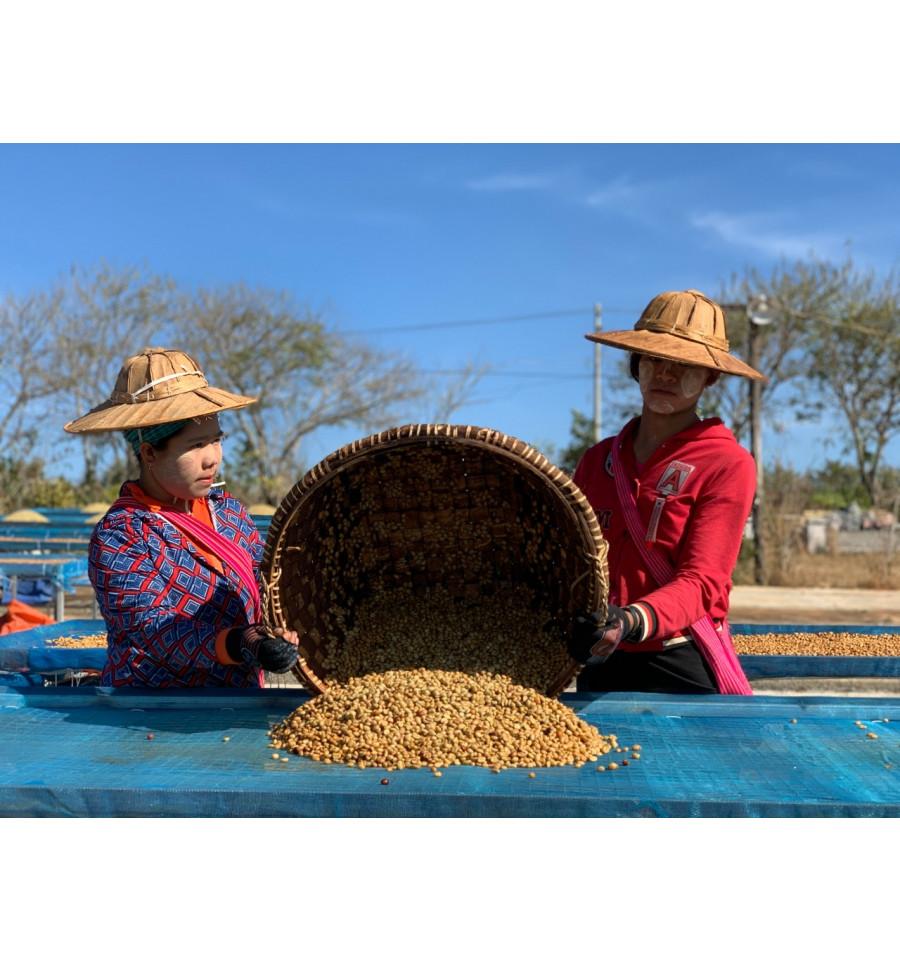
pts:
[254, 646]
[593, 639]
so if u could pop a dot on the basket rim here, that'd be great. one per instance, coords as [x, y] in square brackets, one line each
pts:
[409, 435]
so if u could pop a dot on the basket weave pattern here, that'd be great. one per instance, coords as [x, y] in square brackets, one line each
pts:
[466, 509]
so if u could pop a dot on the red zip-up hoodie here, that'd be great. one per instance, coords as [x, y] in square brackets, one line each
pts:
[693, 494]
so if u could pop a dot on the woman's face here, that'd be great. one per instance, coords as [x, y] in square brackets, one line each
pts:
[187, 466]
[670, 388]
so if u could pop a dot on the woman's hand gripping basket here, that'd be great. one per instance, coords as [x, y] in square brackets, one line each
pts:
[434, 546]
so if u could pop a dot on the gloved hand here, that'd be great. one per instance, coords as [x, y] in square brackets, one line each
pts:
[593, 639]
[254, 646]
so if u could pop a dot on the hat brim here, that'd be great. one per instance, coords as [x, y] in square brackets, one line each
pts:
[673, 348]
[111, 416]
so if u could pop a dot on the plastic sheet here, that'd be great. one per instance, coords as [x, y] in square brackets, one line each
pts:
[73, 527]
[817, 666]
[803, 629]
[85, 751]
[67, 571]
[32, 650]
[29, 651]
[33, 591]
[16, 680]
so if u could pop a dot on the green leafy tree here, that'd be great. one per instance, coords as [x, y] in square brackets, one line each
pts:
[836, 486]
[581, 438]
[24, 484]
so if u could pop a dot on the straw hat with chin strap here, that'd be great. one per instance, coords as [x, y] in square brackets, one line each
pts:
[157, 386]
[682, 326]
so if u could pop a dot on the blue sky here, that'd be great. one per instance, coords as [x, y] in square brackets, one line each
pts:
[379, 236]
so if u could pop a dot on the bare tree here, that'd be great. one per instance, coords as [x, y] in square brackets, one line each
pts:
[259, 343]
[854, 362]
[787, 495]
[102, 315]
[797, 293]
[253, 341]
[457, 390]
[27, 375]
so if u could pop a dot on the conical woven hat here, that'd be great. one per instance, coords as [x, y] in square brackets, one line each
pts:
[157, 386]
[683, 326]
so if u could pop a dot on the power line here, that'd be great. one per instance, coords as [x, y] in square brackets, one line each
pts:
[554, 375]
[508, 319]
[577, 312]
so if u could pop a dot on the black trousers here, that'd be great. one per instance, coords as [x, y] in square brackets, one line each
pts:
[678, 670]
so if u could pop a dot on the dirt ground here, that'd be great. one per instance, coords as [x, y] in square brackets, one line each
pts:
[753, 604]
[750, 604]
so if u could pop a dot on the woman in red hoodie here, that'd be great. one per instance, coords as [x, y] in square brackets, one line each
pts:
[672, 493]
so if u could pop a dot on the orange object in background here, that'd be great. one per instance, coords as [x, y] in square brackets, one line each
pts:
[20, 617]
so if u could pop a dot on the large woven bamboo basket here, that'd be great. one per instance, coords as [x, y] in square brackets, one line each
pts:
[468, 509]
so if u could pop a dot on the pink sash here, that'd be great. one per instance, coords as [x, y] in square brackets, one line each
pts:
[717, 647]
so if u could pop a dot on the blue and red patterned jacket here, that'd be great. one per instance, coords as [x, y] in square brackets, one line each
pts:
[164, 603]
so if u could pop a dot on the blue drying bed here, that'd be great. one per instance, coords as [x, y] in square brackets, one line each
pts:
[85, 752]
[29, 544]
[70, 530]
[72, 527]
[32, 650]
[64, 569]
[817, 666]
[33, 591]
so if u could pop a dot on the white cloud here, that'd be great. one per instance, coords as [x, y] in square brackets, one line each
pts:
[616, 193]
[508, 182]
[760, 232]
[570, 186]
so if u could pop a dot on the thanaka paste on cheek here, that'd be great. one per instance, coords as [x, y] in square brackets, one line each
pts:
[692, 382]
[656, 404]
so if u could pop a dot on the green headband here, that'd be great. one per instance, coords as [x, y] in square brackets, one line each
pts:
[156, 432]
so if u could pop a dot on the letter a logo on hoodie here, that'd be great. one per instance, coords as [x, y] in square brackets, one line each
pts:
[672, 479]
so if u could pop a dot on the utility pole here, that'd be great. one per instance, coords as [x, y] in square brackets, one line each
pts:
[758, 315]
[598, 327]
[759, 550]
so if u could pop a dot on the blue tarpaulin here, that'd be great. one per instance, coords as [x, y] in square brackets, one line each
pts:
[85, 751]
[17, 680]
[70, 526]
[33, 591]
[32, 650]
[803, 629]
[64, 569]
[818, 666]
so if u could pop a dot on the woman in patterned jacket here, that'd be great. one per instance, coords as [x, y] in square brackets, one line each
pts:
[175, 563]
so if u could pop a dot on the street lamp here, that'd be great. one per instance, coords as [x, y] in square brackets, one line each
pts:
[759, 314]
[760, 311]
